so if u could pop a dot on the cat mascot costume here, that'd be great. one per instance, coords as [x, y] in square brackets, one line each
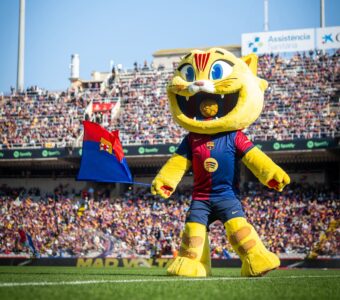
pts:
[214, 95]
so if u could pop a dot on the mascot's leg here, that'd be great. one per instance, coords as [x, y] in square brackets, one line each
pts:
[256, 259]
[193, 259]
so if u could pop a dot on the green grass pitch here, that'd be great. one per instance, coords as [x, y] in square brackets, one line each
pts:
[61, 283]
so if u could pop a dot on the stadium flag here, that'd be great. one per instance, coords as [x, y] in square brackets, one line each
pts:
[30, 244]
[102, 157]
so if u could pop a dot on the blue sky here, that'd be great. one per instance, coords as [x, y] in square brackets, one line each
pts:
[130, 30]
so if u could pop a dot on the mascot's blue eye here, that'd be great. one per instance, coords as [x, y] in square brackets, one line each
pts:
[220, 69]
[217, 72]
[188, 72]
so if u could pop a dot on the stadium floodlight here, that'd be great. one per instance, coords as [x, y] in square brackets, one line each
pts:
[21, 47]
[266, 15]
[322, 13]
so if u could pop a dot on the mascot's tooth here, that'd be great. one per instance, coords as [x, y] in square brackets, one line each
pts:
[187, 97]
[222, 96]
[195, 118]
[216, 118]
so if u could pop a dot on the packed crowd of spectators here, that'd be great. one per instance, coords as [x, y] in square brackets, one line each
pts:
[40, 119]
[139, 224]
[302, 101]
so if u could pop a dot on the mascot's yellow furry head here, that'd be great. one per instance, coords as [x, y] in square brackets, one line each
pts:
[214, 91]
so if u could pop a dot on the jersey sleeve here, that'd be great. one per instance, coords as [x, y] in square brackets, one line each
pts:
[184, 148]
[242, 143]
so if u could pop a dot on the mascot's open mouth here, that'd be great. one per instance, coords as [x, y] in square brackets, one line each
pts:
[205, 106]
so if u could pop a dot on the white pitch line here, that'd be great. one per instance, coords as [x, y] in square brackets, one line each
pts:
[51, 283]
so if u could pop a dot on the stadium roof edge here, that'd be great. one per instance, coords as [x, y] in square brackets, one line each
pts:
[179, 51]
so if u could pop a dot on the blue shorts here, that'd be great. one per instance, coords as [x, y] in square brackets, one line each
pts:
[207, 212]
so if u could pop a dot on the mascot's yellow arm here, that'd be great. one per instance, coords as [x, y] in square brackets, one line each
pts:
[269, 173]
[170, 175]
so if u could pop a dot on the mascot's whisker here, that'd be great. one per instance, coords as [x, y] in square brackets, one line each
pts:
[224, 82]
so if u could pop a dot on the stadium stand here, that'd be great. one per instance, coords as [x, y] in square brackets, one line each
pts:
[301, 102]
[139, 224]
[40, 120]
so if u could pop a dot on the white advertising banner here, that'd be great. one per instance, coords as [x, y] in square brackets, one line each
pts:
[328, 38]
[278, 41]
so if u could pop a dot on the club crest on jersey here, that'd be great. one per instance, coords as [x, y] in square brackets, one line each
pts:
[210, 145]
[210, 165]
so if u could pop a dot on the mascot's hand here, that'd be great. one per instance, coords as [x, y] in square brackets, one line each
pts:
[279, 179]
[269, 173]
[162, 188]
[170, 175]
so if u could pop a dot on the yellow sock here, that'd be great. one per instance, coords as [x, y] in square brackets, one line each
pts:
[241, 235]
[193, 241]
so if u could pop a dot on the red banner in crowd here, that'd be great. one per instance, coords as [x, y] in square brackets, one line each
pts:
[102, 106]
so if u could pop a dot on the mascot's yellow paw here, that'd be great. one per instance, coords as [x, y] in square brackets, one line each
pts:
[183, 266]
[256, 259]
[258, 263]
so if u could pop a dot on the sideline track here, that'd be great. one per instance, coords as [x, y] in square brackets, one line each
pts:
[174, 279]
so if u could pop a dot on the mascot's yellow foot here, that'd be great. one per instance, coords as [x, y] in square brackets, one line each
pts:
[259, 262]
[183, 266]
[256, 259]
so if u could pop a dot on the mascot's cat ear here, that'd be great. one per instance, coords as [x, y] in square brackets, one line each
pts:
[251, 61]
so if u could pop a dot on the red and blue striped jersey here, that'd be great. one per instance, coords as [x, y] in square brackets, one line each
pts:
[215, 163]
